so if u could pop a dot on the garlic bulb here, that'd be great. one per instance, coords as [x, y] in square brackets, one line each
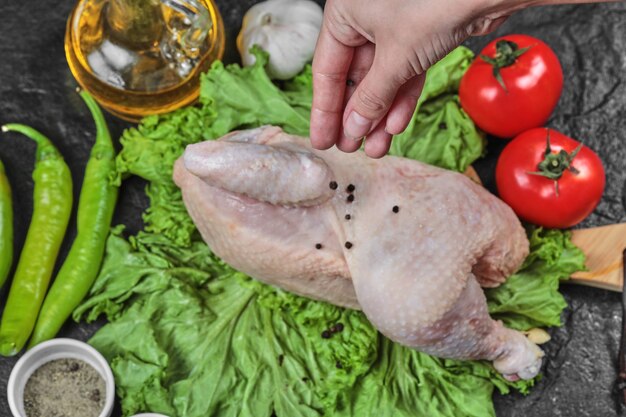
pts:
[286, 29]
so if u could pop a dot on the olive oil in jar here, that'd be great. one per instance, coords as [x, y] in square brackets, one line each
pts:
[142, 57]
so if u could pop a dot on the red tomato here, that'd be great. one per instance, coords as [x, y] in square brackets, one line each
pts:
[533, 81]
[534, 197]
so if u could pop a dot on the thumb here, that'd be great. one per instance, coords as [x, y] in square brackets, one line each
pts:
[373, 97]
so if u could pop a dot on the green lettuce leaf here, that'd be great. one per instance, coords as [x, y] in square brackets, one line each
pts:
[188, 336]
[247, 97]
[195, 341]
[530, 297]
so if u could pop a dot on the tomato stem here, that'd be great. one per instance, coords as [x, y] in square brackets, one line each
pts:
[507, 53]
[554, 165]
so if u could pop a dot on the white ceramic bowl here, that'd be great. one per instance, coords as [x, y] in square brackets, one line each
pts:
[52, 350]
[149, 415]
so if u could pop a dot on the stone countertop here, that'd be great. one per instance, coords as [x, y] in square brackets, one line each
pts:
[37, 88]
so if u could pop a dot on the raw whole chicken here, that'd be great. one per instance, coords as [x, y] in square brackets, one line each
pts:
[408, 243]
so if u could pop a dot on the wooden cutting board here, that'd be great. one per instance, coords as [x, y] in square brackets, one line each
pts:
[603, 247]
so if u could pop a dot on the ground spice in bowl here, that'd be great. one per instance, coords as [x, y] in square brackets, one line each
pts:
[64, 388]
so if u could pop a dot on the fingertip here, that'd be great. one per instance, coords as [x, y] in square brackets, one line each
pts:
[320, 145]
[380, 150]
[324, 130]
[398, 120]
[348, 145]
[403, 107]
[377, 144]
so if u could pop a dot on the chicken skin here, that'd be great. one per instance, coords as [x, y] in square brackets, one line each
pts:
[409, 244]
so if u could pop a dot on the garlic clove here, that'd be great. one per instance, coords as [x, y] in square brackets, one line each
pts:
[286, 29]
[537, 336]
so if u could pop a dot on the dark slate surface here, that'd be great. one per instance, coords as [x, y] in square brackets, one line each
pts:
[37, 88]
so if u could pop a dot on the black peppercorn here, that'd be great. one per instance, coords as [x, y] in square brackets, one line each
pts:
[350, 198]
[443, 126]
[326, 334]
[395, 209]
[318, 246]
[333, 185]
[348, 217]
[350, 188]
[338, 327]
[348, 245]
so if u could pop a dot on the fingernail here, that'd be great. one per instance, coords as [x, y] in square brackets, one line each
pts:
[357, 126]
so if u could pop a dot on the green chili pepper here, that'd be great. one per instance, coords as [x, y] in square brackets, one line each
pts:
[52, 205]
[6, 227]
[95, 212]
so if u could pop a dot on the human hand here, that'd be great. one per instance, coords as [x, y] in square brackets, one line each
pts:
[370, 62]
